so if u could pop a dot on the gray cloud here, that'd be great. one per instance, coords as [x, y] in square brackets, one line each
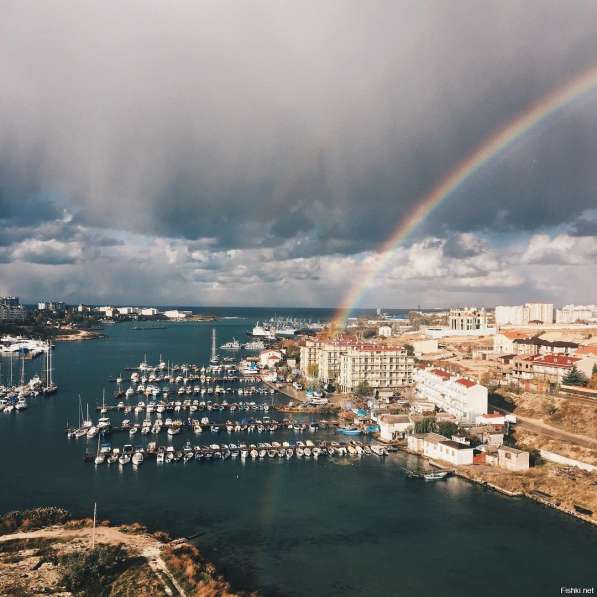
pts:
[252, 124]
[290, 131]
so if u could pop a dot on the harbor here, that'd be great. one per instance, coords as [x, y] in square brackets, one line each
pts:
[15, 389]
[249, 514]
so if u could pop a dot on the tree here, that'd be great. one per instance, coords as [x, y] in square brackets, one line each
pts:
[426, 425]
[363, 389]
[575, 378]
[447, 428]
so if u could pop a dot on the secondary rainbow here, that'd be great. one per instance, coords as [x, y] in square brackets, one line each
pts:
[484, 153]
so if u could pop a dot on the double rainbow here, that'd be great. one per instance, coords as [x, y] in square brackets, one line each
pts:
[484, 153]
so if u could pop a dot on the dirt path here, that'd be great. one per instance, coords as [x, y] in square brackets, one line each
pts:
[146, 545]
[536, 426]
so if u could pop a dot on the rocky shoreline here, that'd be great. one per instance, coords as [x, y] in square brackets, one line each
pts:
[45, 550]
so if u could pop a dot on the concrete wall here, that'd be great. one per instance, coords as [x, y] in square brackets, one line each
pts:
[559, 459]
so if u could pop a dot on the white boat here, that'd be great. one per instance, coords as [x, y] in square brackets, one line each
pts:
[137, 458]
[234, 344]
[21, 404]
[435, 475]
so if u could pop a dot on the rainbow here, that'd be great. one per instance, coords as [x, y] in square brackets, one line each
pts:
[491, 147]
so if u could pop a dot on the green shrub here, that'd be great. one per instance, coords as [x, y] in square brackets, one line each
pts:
[92, 572]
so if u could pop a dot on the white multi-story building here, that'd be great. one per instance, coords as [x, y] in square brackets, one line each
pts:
[378, 366]
[467, 319]
[461, 397]
[523, 314]
[128, 310]
[385, 331]
[309, 355]
[574, 313]
[540, 312]
[149, 311]
[177, 314]
[329, 359]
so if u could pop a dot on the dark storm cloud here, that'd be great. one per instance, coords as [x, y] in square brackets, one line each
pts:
[322, 123]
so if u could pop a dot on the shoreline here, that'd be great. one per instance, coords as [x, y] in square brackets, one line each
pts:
[78, 336]
[36, 544]
[463, 473]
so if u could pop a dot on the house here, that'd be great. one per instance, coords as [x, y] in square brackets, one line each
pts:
[491, 419]
[455, 453]
[512, 459]
[536, 345]
[385, 331]
[438, 447]
[503, 342]
[392, 427]
[270, 358]
[488, 435]
[551, 368]
[416, 442]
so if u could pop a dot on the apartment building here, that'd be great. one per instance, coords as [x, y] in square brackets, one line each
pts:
[467, 319]
[576, 313]
[551, 368]
[535, 346]
[463, 398]
[11, 309]
[309, 355]
[377, 365]
[524, 314]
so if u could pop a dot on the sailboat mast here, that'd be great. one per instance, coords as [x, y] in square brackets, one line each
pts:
[213, 343]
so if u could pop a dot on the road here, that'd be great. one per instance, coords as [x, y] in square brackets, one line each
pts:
[535, 426]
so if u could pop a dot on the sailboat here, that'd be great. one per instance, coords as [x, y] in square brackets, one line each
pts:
[51, 387]
[214, 360]
[99, 457]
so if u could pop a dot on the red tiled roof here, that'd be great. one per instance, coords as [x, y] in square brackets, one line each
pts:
[441, 373]
[467, 383]
[553, 360]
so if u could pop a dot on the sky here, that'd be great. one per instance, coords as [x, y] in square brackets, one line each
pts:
[233, 152]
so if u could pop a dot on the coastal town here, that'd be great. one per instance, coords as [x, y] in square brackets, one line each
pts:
[506, 397]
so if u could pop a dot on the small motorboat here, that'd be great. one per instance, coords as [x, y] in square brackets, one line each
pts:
[435, 476]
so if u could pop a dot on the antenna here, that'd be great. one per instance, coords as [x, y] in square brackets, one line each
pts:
[94, 520]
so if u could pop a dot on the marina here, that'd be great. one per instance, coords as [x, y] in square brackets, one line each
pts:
[263, 451]
[14, 395]
[249, 515]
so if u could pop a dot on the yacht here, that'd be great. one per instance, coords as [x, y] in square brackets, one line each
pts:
[234, 344]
